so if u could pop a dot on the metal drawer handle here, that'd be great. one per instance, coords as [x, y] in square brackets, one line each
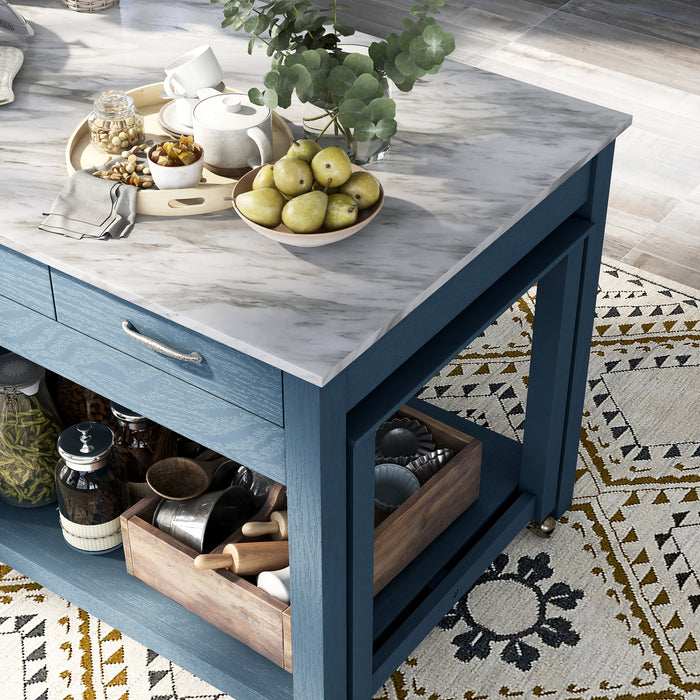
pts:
[159, 347]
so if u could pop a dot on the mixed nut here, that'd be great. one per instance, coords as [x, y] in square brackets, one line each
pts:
[128, 171]
[115, 136]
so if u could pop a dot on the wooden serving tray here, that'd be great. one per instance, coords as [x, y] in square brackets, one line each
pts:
[212, 194]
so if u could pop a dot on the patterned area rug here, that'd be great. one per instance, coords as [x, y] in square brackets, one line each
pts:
[608, 608]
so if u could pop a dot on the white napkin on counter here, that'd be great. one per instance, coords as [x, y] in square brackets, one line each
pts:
[90, 207]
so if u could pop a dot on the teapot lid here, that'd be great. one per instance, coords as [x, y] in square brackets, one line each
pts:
[228, 111]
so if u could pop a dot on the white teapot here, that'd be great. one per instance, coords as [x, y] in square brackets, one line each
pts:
[234, 133]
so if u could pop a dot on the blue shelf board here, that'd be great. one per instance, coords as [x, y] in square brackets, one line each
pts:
[31, 542]
[498, 490]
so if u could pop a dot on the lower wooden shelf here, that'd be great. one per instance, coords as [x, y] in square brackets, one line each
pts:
[245, 612]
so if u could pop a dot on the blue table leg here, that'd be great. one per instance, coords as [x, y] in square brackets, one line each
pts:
[595, 210]
[564, 314]
[316, 502]
[549, 379]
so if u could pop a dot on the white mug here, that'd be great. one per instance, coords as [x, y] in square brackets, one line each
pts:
[196, 69]
[183, 109]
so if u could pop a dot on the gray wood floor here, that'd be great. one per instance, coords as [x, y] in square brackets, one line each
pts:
[638, 56]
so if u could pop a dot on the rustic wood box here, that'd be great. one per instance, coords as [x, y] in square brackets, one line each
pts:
[247, 613]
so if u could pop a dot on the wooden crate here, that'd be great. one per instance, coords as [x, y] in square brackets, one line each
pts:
[400, 538]
[252, 616]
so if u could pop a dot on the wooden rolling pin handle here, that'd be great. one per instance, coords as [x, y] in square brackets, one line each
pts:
[276, 527]
[253, 529]
[250, 558]
[213, 561]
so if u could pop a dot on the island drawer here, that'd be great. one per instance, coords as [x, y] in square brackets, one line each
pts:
[249, 614]
[222, 371]
[26, 281]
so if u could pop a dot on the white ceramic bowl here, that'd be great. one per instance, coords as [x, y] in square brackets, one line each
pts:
[282, 234]
[175, 177]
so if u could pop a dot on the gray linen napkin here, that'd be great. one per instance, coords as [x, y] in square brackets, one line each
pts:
[90, 207]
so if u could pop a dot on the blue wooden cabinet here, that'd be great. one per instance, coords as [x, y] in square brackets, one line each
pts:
[319, 441]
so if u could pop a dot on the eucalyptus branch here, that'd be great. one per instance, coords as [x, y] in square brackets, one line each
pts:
[307, 59]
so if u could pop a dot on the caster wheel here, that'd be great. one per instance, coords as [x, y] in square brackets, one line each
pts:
[543, 529]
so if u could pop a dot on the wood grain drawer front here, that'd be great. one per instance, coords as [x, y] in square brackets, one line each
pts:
[221, 425]
[222, 371]
[26, 281]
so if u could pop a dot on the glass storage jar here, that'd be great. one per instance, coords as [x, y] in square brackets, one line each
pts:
[115, 124]
[91, 497]
[138, 443]
[29, 428]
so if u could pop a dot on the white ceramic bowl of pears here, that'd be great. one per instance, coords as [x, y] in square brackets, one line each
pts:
[289, 202]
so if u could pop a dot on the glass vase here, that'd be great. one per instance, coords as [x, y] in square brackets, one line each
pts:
[320, 125]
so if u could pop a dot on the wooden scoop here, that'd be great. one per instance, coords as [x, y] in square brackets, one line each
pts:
[179, 478]
[247, 558]
[276, 527]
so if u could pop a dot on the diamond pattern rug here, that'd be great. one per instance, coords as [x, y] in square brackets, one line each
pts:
[608, 608]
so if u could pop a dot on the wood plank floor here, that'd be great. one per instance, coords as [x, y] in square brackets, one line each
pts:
[637, 56]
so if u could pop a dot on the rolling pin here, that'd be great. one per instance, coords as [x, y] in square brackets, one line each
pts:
[247, 558]
[276, 527]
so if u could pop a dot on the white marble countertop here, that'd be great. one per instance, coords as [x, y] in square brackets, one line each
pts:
[474, 153]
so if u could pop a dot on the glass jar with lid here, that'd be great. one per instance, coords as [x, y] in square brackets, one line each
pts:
[29, 428]
[91, 497]
[115, 124]
[138, 443]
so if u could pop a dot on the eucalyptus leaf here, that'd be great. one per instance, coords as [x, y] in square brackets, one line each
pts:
[272, 79]
[378, 54]
[358, 63]
[340, 80]
[344, 30]
[350, 112]
[310, 59]
[302, 81]
[366, 130]
[380, 108]
[365, 88]
[271, 99]
[406, 65]
[255, 96]
[232, 22]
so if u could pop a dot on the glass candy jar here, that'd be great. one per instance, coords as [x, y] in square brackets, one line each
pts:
[138, 443]
[91, 497]
[115, 124]
[29, 429]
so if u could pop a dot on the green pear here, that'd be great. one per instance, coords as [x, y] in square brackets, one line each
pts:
[363, 188]
[331, 166]
[305, 213]
[305, 149]
[264, 178]
[328, 190]
[341, 212]
[263, 206]
[292, 176]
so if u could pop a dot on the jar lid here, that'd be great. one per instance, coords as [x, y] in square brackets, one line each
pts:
[85, 443]
[228, 111]
[113, 104]
[18, 373]
[125, 414]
